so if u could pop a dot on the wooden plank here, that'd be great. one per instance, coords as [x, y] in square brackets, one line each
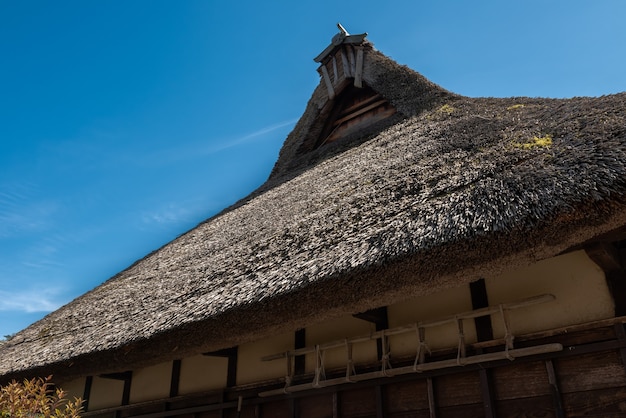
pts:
[462, 411]
[592, 371]
[407, 396]
[520, 380]
[315, 405]
[556, 392]
[175, 378]
[335, 404]
[359, 112]
[606, 403]
[335, 72]
[536, 407]
[276, 409]
[458, 389]
[358, 402]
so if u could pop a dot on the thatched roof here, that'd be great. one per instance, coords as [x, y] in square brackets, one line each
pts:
[448, 190]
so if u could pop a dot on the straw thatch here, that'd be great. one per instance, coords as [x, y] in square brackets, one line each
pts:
[449, 190]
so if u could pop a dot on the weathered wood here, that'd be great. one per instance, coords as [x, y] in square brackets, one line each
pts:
[335, 404]
[359, 112]
[329, 85]
[620, 333]
[486, 392]
[591, 371]
[276, 409]
[606, 403]
[520, 380]
[458, 389]
[345, 63]
[358, 402]
[358, 75]
[462, 411]
[536, 407]
[432, 398]
[407, 396]
[315, 406]
[335, 72]
[556, 392]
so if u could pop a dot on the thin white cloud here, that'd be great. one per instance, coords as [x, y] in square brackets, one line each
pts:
[171, 214]
[206, 147]
[30, 301]
[21, 212]
[248, 137]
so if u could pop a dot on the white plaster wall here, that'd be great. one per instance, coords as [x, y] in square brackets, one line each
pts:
[151, 383]
[74, 389]
[251, 369]
[338, 329]
[105, 393]
[579, 285]
[431, 307]
[202, 373]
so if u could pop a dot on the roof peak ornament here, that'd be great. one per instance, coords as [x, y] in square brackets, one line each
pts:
[343, 37]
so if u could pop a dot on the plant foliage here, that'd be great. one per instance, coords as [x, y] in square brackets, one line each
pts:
[37, 398]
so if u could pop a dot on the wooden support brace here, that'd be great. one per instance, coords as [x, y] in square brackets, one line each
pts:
[346, 65]
[358, 74]
[328, 82]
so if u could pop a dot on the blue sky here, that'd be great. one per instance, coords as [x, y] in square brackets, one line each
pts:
[125, 123]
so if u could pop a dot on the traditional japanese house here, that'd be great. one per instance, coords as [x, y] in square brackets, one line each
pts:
[414, 252]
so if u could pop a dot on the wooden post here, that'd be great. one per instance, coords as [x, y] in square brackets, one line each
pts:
[432, 402]
[486, 391]
[556, 392]
[299, 361]
[478, 290]
[380, 402]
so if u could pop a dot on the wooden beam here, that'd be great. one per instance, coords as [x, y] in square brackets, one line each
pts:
[117, 376]
[605, 255]
[380, 319]
[610, 260]
[478, 291]
[231, 354]
[175, 379]
[335, 404]
[299, 361]
[87, 392]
